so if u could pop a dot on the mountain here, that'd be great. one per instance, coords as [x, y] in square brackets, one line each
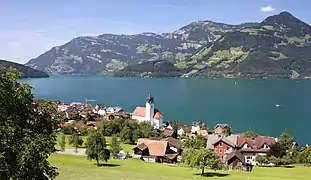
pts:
[110, 53]
[279, 47]
[27, 72]
[158, 68]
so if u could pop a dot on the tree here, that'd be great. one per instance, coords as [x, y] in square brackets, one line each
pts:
[305, 156]
[197, 143]
[286, 140]
[126, 135]
[115, 147]
[26, 130]
[278, 155]
[76, 141]
[262, 159]
[62, 142]
[96, 145]
[251, 134]
[277, 150]
[201, 158]
[69, 129]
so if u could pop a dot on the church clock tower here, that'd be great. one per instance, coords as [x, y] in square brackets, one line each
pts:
[149, 109]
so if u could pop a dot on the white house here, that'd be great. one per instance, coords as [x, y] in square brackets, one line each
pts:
[148, 113]
[195, 128]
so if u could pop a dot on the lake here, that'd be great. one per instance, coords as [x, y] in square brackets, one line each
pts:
[269, 106]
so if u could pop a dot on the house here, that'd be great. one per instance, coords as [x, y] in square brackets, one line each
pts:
[93, 124]
[235, 160]
[116, 109]
[195, 128]
[169, 133]
[182, 130]
[174, 144]
[221, 128]
[202, 132]
[148, 113]
[252, 147]
[222, 145]
[155, 151]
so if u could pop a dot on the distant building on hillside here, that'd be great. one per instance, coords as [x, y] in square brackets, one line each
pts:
[148, 113]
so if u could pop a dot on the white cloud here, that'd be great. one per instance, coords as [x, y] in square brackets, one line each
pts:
[267, 9]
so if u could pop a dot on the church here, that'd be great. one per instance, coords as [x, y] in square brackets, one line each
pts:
[148, 113]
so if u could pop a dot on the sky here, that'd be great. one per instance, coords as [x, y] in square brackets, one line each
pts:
[29, 28]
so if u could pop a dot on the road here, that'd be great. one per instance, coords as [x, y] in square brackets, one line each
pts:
[81, 152]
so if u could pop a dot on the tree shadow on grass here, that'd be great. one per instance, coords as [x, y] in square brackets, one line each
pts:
[108, 165]
[212, 174]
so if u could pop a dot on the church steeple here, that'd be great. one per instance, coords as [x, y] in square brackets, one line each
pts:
[149, 108]
[149, 99]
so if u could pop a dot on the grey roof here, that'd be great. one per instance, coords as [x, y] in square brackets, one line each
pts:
[213, 138]
[237, 154]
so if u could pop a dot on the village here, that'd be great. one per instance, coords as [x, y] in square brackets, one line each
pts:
[237, 151]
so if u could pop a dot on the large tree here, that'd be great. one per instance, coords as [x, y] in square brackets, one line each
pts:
[96, 147]
[115, 146]
[76, 141]
[286, 140]
[201, 158]
[197, 143]
[26, 130]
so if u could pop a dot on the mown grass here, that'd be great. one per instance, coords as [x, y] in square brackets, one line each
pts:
[79, 168]
[126, 147]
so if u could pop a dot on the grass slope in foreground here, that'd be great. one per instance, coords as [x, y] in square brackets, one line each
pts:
[125, 147]
[79, 168]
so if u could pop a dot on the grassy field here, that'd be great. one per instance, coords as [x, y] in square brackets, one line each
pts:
[126, 147]
[79, 168]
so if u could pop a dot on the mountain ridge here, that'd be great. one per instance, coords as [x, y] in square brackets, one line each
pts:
[201, 48]
[26, 72]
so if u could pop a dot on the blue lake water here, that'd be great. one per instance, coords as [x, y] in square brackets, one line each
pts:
[243, 103]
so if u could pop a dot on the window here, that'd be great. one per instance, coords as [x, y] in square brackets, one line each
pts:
[229, 148]
[220, 150]
[220, 144]
[249, 157]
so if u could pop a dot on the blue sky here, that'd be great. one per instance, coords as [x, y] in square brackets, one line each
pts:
[29, 28]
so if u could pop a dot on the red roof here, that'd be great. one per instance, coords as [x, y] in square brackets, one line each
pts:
[141, 112]
[156, 148]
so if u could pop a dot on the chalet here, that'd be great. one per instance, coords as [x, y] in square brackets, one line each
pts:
[174, 144]
[252, 147]
[235, 160]
[155, 151]
[222, 145]
[148, 113]
[169, 133]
